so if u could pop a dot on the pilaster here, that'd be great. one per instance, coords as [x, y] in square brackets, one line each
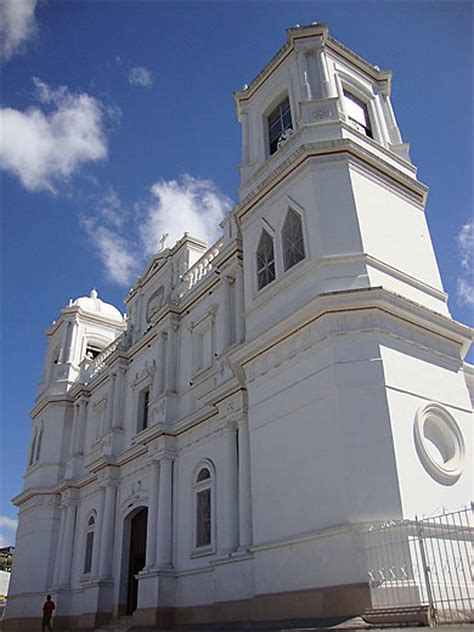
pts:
[151, 543]
[109, 485]
[119, 397]
[245, 491]
[163, 452]
[229, 538]
[111, 400]
[70, 503]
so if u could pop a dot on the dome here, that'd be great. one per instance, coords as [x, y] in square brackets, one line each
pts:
[94, 305]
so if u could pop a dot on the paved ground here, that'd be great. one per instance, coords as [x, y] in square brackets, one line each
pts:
[353, 624]
[402, 628]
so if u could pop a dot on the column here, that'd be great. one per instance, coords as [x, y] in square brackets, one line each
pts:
[228, 308]
[382, 123]
[245, 493]
[118, 403]
[110, 401]
[75, 429]
[340, 94]
[98, 535]
[71, 342]
[164, 521]
[239, 305]
[151, 541]
[108, 530]
[323, 72]
[62, 349]
[244, 120]
[396, 137]
[139, 313]
[171, 360]
[66, 557]
[229, 538]
[163, 350]
[57, 567]
[81, 427]
[303, 64]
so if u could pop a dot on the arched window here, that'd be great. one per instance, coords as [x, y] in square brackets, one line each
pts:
[292, 239]
[39, 444]
[33, 449]
[265, 260]
[203, 492]
[89, 544]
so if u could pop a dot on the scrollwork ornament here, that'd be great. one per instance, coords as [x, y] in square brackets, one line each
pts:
[321, 114]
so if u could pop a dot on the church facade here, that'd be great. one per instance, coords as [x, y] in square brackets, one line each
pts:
[214, 456]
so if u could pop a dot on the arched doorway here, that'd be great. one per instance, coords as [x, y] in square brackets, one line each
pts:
[137, 555]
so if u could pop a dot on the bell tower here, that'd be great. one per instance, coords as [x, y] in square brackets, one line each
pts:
[84, 328]
[319, 136]
[344, 306]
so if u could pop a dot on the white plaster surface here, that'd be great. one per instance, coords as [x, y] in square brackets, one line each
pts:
[317, 378]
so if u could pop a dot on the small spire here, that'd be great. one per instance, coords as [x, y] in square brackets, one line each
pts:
[93, 293]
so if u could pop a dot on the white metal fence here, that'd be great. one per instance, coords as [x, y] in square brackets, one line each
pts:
[425, 563]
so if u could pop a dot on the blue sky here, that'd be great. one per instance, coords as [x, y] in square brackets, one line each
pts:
[118, 123]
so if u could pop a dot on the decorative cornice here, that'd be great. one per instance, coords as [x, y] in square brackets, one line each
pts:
[163, 448]
[294, 37]
[337, 147]
[373, 309]
[86, 317]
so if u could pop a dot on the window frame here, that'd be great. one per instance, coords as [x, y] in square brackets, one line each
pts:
[270, 111]
[292, 211]
[259, 287]
[143, 416]
[89, 536]
[199, 486]
[39, 443]
[203, 330]
[363, 92]
[364, 104]
[31, 460]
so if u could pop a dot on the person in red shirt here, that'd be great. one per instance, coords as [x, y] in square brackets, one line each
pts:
[48, 608]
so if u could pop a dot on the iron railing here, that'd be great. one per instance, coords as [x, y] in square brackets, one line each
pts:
[423, 563]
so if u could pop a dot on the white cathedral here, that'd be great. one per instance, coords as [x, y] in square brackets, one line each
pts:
[214, 456]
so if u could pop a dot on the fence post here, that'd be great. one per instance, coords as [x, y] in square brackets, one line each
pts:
[426, 570]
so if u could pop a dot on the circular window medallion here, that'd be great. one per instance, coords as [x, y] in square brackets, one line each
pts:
[439, 443]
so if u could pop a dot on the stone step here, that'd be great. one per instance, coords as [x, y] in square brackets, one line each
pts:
[123, 624]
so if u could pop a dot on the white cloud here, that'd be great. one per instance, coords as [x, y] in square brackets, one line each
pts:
[119, 261]
[7, 525]
[17, 25]
[465, 292]
[140, 76]
[125, 243]
[188, 205]
[465, 241]
[46, 148]
[110, 209]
